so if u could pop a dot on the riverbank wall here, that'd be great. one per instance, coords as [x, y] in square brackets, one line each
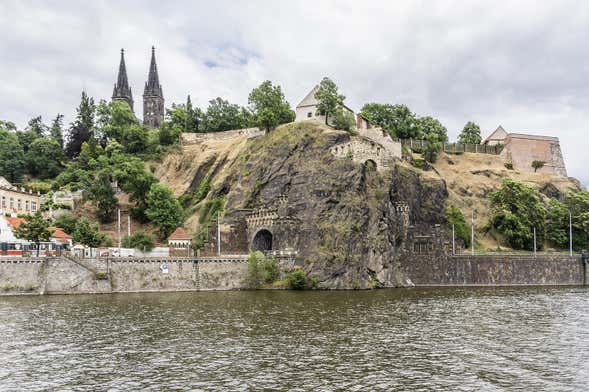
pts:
[60, 275]
[495, 270]
[77, 276]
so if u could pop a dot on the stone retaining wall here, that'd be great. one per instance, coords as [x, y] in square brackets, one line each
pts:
[494, 270]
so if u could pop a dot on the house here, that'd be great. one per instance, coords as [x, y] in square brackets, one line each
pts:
[180, 243]
[61, 237]
[521, 149]
[15, 200]
[307, 108]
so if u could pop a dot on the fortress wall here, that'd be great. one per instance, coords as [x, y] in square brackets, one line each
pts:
[221, 275]
[20, 277]
[493, 270]
[522, 150]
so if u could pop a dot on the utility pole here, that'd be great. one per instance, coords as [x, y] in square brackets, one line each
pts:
[570, 233]
[119, 229]
[128, 225]
[453, 241]
[218, 233]
[472, 233]
[534, 241]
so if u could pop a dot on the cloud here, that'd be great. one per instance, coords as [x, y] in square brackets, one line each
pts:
[520, 64]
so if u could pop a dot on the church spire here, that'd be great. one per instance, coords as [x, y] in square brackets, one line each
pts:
[122, 91]
[153, 97]
[153, 86]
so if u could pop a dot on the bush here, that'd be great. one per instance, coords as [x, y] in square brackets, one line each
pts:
[509, 165]
[261, 269]
[297, 280]
[140, 240]
[537, 165]
[461, 230]
[344, 120]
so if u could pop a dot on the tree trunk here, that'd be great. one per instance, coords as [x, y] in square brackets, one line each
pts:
[37, 249]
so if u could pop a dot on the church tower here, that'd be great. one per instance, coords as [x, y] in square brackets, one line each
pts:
[122, 91]
[153, 97]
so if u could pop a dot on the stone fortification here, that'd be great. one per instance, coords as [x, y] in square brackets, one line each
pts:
[195, 138]
[522, 150]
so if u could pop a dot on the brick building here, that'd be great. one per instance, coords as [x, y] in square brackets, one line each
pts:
[15, 200]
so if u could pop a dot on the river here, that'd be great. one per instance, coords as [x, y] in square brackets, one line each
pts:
[528, 339]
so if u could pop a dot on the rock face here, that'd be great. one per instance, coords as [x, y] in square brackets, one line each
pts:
[349, 222]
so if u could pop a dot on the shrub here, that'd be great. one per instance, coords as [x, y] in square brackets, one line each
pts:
[509, 165]
[140, 240]
[261, 269]
[344, 120]
[297, 280]
[537, 165]
[461, 230]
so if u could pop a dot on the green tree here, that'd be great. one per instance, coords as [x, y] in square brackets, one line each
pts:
[34, 229]
[471, 134]
[27, 138]
[140, 240]
[537, 165]
[329, 99]
[88, 234]
[135, 139]
[163, 209]
[429, 125]
[66, 222]
[297, 280]
[398, 120]
[102, 195]
[82, 128]
[269, 107]
[56, 130]
[114, 119]
[432, 148]
[37, 126]
[12, 162]
[135, 180]
[224, 116]
[516, 210]
[344, 120]
[44, 158]
[193, 117]
[261, 269]
[456, 217]
[557, 224]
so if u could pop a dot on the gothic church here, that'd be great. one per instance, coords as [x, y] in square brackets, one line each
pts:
[153, 96]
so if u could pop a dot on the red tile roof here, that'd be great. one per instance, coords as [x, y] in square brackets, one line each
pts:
[59, 233]
[180, 234]
[14, 222]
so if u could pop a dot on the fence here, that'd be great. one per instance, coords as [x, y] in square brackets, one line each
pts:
[452, 148]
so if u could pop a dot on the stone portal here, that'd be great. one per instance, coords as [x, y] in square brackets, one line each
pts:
[262, 240]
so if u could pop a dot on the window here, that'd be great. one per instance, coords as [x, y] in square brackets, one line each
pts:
[3, 201]
[26, 205]
[19, 205]
[12, 203]
[310, 114]
[34, 206]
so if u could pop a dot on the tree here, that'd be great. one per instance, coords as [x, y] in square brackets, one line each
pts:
[344, 120]
[12, 162]
[456, 217]
[261, 269]
[114, 120]
[56, 130]
[34, 229]
[432, 148]
[429, 125]
[163, 210]
[557, 224]
[140, 240]
[82, 128]
[193, 117]
[27, 138]
[37, 126]
[66, 222]
[44, 158]
[102, 195]
[87, 234]
[537, 165]
[398, 120]
[516, 211]
[135, 139]
[269, 107]
[224, 116]
[471, 134]
[328, 97]
[135, 180]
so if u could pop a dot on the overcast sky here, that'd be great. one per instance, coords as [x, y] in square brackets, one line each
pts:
[523, 65]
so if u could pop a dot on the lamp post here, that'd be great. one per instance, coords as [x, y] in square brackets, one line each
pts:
[472, 233]
[570, 233]
[534, 241]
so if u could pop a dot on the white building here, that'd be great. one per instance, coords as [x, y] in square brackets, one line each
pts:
[307, 108]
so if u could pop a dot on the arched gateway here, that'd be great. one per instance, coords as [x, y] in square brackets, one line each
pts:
[262, 240]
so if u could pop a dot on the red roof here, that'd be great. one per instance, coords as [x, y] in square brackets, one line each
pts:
[180, 234]
[60, 234]
[14, 222]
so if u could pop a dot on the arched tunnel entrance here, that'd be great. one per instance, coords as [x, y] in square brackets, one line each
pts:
[370, 165]
[262, 240]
